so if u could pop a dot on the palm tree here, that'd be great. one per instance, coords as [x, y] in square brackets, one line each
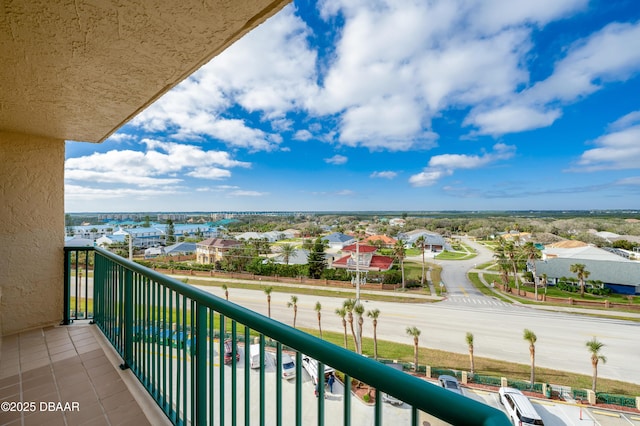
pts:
[506, 254]
[421, 243]
[348, 305]
[582, 273]
[287, 251]
[226, 291]
[594, 347]
[267, 291]
[374, 314]
[399, 251]
[294, 303]
[318, 308]
[359, 310]
[512, 253]
[415, 333]
[532, 253]
[503, 265]
[342, 312]
[531, 337]
[469, 339]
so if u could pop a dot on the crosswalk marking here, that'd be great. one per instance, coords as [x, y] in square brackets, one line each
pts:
[480, 301]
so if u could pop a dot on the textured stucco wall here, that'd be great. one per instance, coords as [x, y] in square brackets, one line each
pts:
[31, 231]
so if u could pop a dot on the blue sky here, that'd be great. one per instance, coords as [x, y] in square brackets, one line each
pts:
[386, 105]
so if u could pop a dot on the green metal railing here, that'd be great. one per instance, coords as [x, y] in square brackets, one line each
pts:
[190, 350]
[523, 385]
[620, 400]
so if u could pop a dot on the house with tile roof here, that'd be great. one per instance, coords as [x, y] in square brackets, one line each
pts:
[362, 257]
[213, 250]
[385, 240]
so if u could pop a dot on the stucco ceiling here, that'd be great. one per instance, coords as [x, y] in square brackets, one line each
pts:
[78, 70]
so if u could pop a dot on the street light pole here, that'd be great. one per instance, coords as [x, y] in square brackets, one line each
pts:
[359, 333]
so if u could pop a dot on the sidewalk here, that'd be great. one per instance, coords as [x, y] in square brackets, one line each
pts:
[571, 309]
[263, 283]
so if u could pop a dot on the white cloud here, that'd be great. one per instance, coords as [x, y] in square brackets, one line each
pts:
[213, 173]
[246, 193]
[384, 175]
[587, 65]
[240, 76]
[616, 150]
[607, 55]
[399, 65]
[302, 135]
[163, 163]
[117, 177]
[336, 159]
[630, 181]
[429, 176]
[631, 119]
[77, 192]
[510, 119]
[120, 137]
[444, 165]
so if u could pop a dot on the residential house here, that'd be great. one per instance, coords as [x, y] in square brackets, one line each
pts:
[396, 221]
[271, 236]
[617, 273]
[337, 240]
[515, 236]
[213, 250]
[433, 242]
[384, 240]
[298, 257]
[107, 240]
[362, 257]
[177, 249]
[621, 276]
[78, 242]
[143, 237]
[180, 249]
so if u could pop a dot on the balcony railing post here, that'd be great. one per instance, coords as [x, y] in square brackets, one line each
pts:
[66, 320]
[201, 365]
[128, 319]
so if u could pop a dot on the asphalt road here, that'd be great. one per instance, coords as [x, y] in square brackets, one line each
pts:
[497, 326]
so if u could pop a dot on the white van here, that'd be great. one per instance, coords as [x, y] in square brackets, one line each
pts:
[518, 407]
[288, 367]
[254, 352]
[311, 365]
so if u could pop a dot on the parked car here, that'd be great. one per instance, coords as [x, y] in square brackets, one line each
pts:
[518, 407]
[450, 383]
[288, 367]
[254, 351]
[228, 352]
[311, 365]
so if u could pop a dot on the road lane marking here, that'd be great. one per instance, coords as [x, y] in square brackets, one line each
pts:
[606, 413]
[464, 291]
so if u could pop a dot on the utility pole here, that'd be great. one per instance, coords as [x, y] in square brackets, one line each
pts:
[130, 247]
[358, 293]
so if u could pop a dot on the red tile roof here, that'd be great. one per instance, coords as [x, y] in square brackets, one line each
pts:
[362, 249]
[378, 263]
[385, 239]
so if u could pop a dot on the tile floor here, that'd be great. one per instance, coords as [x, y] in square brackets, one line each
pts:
[71, 364]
